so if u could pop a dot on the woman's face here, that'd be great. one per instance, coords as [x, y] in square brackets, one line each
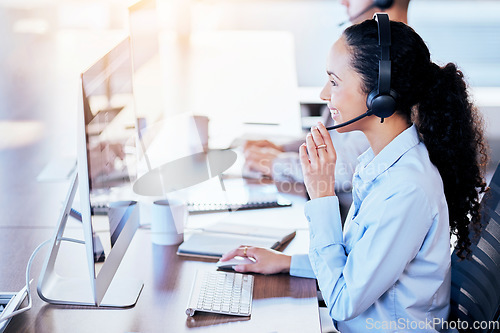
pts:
[343, 91]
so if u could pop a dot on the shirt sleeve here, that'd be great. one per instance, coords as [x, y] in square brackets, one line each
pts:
[389, 239]
[301, 267]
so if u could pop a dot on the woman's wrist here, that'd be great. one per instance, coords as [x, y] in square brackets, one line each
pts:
[286, 261]
[322, 194]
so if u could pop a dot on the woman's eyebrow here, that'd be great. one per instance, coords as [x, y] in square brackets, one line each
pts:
[332, 73]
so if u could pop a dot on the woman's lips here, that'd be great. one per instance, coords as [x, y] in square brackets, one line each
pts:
[334, 112]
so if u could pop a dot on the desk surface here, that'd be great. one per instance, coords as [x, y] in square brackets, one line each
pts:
[281, 303]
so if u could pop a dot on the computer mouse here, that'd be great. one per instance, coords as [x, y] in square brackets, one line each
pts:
[229, 264]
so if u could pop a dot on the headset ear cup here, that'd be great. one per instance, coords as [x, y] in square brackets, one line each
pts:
[369, 99]
[383, 106]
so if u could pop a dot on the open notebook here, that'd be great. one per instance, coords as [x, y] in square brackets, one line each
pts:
[214, 241]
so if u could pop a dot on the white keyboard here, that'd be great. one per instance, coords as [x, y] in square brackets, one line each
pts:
[221, 292]
[212, 207]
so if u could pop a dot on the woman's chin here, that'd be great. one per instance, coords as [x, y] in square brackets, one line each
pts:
[338, 121]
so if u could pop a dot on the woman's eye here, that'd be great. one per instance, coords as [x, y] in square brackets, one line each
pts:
[333, 83]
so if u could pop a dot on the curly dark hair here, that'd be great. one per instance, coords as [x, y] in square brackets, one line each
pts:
[436, 99]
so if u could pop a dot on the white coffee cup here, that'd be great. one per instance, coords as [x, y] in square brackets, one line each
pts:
[167, 222]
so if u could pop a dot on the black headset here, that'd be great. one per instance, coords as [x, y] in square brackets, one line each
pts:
[382, 101]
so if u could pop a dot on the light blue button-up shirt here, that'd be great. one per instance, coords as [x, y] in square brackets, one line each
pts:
[389, 270]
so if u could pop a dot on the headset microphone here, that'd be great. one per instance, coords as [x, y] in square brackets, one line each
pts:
[366, 114]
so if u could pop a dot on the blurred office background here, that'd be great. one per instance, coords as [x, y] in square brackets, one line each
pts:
[45, 44]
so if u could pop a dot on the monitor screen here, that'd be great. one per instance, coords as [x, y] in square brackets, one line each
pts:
[108, 158]
[110, 120]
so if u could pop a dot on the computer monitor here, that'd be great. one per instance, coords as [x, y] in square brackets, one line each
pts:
[107, 158]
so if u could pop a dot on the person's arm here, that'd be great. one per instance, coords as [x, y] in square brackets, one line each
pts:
[269, 261]
[286, 168]
[261, 144]
[390, 237]
[300, 266]
[277, 161]
[260, 159]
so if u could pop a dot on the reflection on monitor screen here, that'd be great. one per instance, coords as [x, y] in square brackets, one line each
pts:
[110, 136]
[110, 119]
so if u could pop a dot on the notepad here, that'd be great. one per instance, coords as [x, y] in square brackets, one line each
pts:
[220, 238]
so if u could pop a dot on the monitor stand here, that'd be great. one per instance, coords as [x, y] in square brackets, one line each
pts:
[56, 289]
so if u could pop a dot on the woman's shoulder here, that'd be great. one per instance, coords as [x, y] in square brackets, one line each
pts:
[414, 170]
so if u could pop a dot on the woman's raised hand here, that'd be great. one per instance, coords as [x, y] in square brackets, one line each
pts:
[318, 158]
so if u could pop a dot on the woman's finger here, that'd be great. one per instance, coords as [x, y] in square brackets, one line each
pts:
[246, 268]
[311, 149]
[321, 147]
[317, 136]
[326, 136]
[242, 251]
[304, 160]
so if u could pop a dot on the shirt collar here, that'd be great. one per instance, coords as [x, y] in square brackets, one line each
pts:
[370, 166]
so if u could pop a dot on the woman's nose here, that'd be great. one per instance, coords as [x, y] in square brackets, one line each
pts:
[325, 94]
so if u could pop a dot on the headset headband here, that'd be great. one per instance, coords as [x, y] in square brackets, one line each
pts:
[384, 41]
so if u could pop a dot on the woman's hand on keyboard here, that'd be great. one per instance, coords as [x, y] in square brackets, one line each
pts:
[267, 261]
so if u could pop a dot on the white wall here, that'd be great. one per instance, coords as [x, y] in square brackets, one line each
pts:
[466, 32]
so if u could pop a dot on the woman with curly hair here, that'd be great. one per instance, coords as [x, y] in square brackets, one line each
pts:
[420, 180]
